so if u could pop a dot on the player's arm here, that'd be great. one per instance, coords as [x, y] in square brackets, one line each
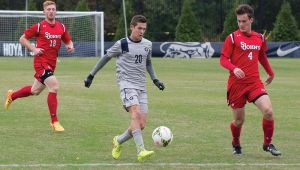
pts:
[262, 58]
[24, 41]
[226, 54]
[70, 47]
[152, 74]
[99, 66]
[150, 70]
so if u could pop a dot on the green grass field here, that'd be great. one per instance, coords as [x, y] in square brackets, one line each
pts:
[193, 105]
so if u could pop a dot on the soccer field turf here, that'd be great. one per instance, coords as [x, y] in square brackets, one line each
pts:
[193, 105]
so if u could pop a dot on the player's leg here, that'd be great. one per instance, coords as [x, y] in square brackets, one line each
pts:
[236, 127]
[265, 106]
[136, 122]
[52, 84]
[26, 91]
[37, 87]
[237, 100]
[119, 140]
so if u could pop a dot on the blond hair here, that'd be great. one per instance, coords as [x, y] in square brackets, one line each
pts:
[47, 3]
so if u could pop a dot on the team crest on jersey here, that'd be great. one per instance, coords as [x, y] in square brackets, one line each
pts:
[244, 46]
[146, 49]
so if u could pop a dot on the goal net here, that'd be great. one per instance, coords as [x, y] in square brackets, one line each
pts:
[85, 28]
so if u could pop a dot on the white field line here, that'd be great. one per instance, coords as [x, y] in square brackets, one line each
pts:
[147, 164]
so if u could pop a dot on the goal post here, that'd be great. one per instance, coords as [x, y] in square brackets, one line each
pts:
[85, 28]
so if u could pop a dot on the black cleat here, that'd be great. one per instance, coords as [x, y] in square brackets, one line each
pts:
[237, 149]
[271, 148]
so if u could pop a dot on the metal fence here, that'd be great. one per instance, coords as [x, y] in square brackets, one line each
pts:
[163, 15]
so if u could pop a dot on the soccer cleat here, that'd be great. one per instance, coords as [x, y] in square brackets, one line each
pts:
[237, 149]
[271, 148]
[145, 155]
[9, 99]
[57, 127]
[117, 148]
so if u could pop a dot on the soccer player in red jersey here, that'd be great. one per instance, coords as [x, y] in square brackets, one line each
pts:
[49, 33]
[240, 54]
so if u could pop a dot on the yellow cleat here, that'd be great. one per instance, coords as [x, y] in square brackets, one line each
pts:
[57, 127]
[117, 148]
[145, 155]
[9, 99]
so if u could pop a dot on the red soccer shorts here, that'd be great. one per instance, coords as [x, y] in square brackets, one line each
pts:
[238, 93]
[40, 70]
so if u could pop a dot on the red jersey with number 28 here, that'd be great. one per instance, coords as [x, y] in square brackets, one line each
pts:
[48, 37]
[243, 50]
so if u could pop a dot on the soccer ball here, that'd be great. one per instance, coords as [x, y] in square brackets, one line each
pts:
[162, 136]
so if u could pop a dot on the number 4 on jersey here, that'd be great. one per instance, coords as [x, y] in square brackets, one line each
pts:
[250, 56]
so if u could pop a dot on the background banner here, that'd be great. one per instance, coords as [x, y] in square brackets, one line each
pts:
[159, 49]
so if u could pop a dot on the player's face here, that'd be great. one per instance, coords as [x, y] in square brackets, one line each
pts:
[50, 12]
[244, 23]
[138, 31]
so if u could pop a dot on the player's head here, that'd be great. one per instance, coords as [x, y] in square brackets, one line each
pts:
[244, 14]
[50, 10]
[138, 27]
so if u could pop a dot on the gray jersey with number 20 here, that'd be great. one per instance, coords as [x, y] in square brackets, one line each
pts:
[131, 62]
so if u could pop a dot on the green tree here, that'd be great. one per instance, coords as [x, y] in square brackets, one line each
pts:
[285, 27]
[162, 18]
[230, 24]
[188, 28]
[30, 21]
[82, 28]
[120, 33]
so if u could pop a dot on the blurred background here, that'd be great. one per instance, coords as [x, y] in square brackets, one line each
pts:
[163, 15]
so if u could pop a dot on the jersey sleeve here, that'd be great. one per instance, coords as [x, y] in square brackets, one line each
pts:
[66, 37]
[262, 58]
[227, 47]
[264, 45]
[32, 31]
[226, 54]
[224, 61]
[150, 53]
[115, 50]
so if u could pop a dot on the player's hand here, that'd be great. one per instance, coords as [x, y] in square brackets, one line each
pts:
[269, 80]
[38, 51]
[159, 84]
[88, 81]
[238, 73]
[71, 49]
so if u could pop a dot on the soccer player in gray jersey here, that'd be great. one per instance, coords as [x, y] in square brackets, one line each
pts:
[133, 55]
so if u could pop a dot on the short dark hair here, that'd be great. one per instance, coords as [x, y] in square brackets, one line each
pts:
[138, 18]
[245, 9]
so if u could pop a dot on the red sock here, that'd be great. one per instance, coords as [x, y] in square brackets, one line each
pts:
[23, 92]
[268, 127]
[236, 132]
[52, 104]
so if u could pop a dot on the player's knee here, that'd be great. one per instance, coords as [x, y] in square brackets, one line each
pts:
[136, 115]
[239, 122]
[268, 112]
[35, 92]
[143, 125]
[54, 89]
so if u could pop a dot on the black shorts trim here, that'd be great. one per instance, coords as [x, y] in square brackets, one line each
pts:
[47, 73]
[258, 97]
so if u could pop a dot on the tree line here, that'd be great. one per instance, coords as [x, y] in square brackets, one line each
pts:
[164, 16]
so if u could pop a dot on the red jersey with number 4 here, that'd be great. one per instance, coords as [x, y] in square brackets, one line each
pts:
[48, 37]
[243, 51]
